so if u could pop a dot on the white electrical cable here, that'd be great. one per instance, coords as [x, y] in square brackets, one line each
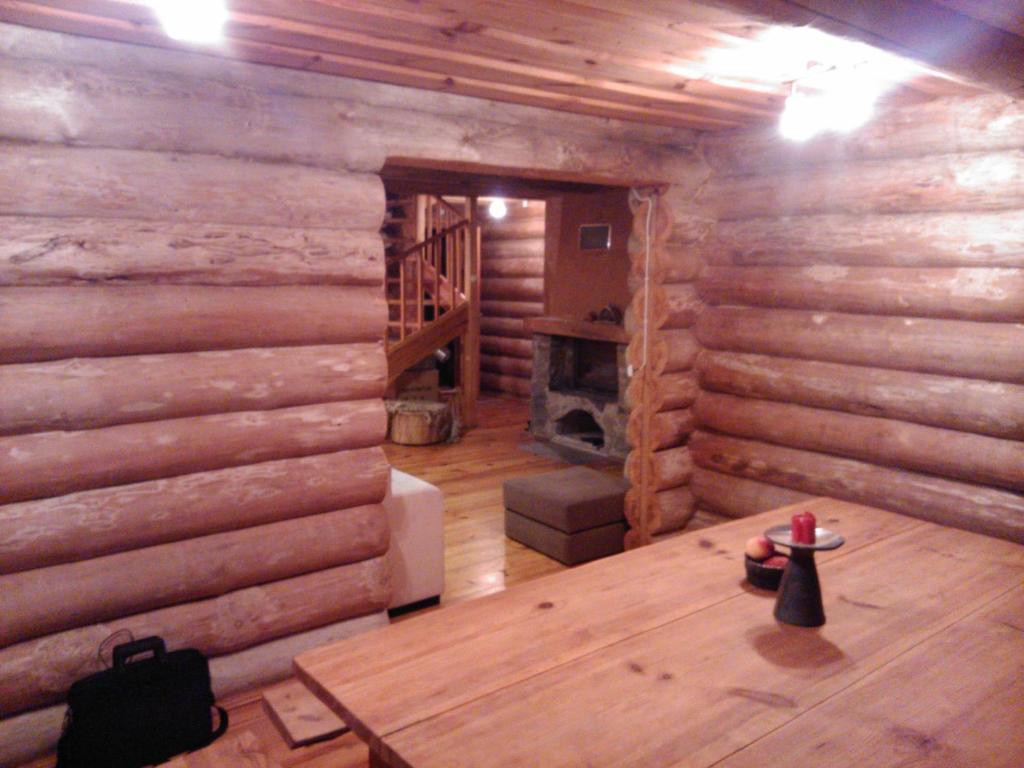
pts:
[653, 200]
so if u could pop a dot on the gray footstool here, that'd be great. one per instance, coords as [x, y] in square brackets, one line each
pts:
[573, 515]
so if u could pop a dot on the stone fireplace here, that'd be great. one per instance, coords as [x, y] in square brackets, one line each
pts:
[579, 385]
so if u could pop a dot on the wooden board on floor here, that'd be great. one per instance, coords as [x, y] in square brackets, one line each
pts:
[299, 715]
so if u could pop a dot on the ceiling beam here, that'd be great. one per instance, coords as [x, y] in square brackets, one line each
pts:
[922, 30]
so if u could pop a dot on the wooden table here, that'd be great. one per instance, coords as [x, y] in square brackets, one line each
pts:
[663, 656]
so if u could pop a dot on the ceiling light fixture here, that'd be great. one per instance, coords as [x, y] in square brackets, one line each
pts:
[842, 102]
[834, 81]
[192, 21]
[497, 209]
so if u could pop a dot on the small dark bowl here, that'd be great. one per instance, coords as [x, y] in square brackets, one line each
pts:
[762, 576]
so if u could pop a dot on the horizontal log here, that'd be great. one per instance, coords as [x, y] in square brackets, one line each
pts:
[33, 734]
[515, 227]
[667, 429]
[512, 308]
[671, 351]
[985, 181]
[945, 452]
[511, 327]
[512, 267]
[38, 672]
[675, 305]
[47, 600]
[667, 510]
[673, 509]
[970, 405]
[991, 294]
[989, 122]
[285, 114]
[682, 305]
[56, 463]
[667, 392]
[738, 496]
[512, 288]
[506, 347]
[52, 323]
[664, 469]
[88, 393]
[265, 663]
[884, 240]
[89, 524]
[512, 366]
[531, 250]
[681, 264]
[70, 251]
[513, 385]
[53, 180]
[989, 511]
[992, 351]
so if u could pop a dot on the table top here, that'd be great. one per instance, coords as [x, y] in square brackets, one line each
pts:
[664, 656]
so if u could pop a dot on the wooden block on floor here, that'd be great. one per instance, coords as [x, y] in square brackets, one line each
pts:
[299, 715]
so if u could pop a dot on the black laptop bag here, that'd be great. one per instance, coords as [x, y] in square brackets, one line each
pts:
[140, 713]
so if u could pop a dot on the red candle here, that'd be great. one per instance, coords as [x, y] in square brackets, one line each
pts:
[801, 528]
[807, 525]
[796, 529]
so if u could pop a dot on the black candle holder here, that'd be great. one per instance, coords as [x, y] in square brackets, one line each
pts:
[799, 600]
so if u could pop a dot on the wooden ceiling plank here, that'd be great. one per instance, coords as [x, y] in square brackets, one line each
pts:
[33, 14]
[318, 39]
[488, 23]
[507, 46]
[454, 63]
[634, 61]
[437, 52]
[560, 26]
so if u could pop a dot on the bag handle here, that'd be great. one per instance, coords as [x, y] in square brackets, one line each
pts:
[125, 651]
[222, 726]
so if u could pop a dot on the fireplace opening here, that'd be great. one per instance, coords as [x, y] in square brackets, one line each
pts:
[580, 425]
[586, 366]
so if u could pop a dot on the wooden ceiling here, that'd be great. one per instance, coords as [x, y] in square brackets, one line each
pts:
[644, 60]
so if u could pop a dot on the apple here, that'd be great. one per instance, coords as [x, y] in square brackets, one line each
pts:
[759, 548]
[776, 561]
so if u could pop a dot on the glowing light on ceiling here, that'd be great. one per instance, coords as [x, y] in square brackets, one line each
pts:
[192, 21]
[834, 82]
[497, 209]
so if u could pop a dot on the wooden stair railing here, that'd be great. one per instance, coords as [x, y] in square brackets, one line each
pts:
[434, 298]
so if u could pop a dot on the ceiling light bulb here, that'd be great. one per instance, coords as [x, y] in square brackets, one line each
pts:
[497, 209]
[847, 113]
[803, 117]
[851, 101]
[192, 21]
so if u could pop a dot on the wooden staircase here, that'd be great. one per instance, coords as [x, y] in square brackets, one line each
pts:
[433, 290]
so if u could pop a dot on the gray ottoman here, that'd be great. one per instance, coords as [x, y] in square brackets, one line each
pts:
[573, 515]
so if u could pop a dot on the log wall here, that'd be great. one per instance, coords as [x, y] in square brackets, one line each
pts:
[191, 315]
[865, 331]
[512, 281]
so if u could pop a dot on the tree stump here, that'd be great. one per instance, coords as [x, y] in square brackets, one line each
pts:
[415, 422]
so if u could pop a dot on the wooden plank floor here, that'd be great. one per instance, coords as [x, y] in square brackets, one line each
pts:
[478, 560]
